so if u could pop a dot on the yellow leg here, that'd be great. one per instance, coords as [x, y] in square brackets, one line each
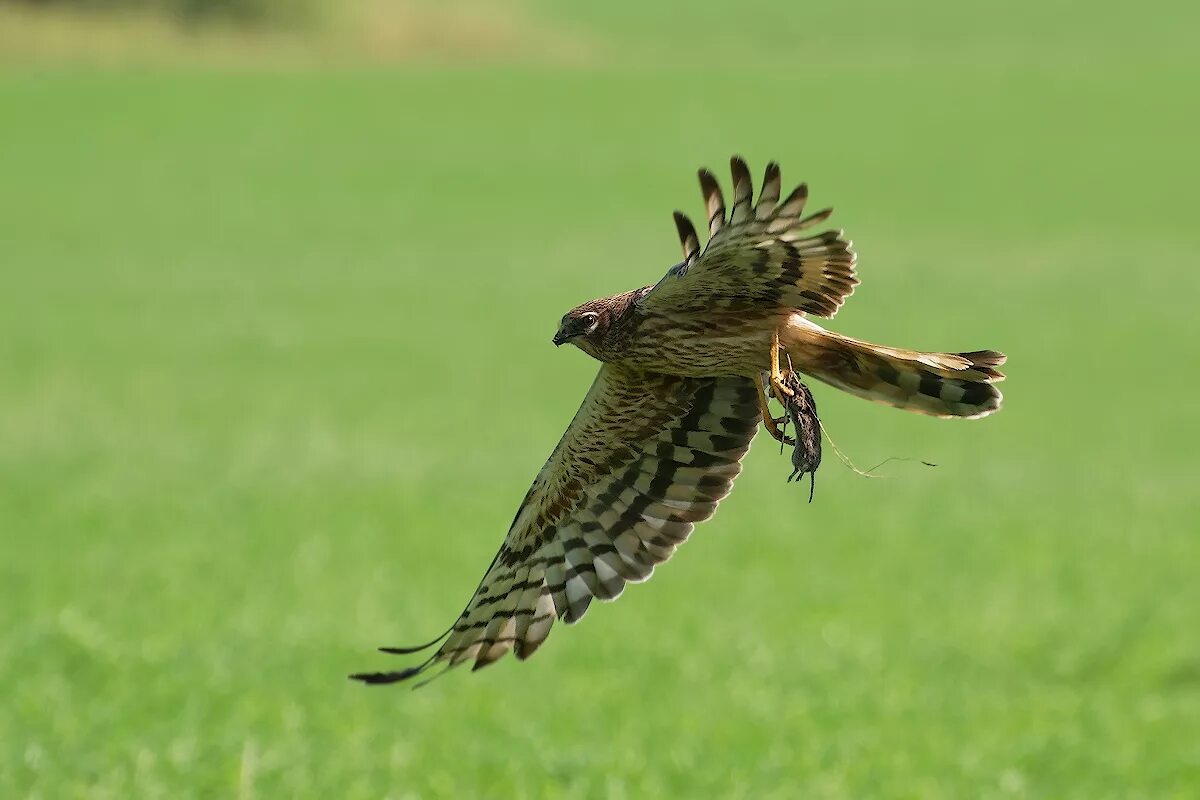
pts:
[777, 384]
[769, 421]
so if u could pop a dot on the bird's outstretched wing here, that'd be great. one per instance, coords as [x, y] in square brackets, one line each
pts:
[759, 256]
[645, 458]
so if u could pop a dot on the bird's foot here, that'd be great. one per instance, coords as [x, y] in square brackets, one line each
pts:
[780, 378]
[774, 425]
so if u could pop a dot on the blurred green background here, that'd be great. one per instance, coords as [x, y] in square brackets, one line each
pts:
[275, 371]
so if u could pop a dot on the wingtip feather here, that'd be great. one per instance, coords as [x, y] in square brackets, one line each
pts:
[382, 678]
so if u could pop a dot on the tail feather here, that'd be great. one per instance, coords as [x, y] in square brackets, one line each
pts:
[937, 384]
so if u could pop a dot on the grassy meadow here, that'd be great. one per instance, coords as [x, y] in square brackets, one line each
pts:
[275, 371]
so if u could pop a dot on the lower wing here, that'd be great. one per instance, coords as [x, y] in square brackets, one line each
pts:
[646, 457]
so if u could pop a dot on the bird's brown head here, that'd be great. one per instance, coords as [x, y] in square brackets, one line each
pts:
[584, 326]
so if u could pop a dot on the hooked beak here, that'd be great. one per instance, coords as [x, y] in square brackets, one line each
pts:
[561, 337]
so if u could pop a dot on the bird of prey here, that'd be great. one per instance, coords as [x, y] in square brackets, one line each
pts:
[687, 366]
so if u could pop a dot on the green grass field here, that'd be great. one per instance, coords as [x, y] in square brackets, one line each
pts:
[275, 372]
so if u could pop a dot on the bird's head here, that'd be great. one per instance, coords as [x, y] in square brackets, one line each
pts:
[584, 325]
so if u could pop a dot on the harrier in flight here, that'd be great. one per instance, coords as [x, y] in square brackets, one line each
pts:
[687, 366]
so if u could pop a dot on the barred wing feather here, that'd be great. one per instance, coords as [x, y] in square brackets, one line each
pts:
[760, 256]
[646, 457]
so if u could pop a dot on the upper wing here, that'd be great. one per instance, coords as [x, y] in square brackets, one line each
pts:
[758, 256]
[645, 458]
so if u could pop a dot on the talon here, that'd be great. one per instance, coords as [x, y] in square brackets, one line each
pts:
[779, 389]
[778, 386]
[769, 421]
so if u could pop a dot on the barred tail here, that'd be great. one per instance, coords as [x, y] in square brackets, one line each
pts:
[938, 384]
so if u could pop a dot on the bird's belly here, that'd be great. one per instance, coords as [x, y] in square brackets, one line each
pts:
[710, 348]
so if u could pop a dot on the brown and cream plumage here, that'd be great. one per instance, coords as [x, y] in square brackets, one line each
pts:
[659, 439]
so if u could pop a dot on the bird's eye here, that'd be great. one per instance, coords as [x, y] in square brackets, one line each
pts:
[590, 321]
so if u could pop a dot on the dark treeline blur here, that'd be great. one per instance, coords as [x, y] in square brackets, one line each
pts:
[283, 13]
